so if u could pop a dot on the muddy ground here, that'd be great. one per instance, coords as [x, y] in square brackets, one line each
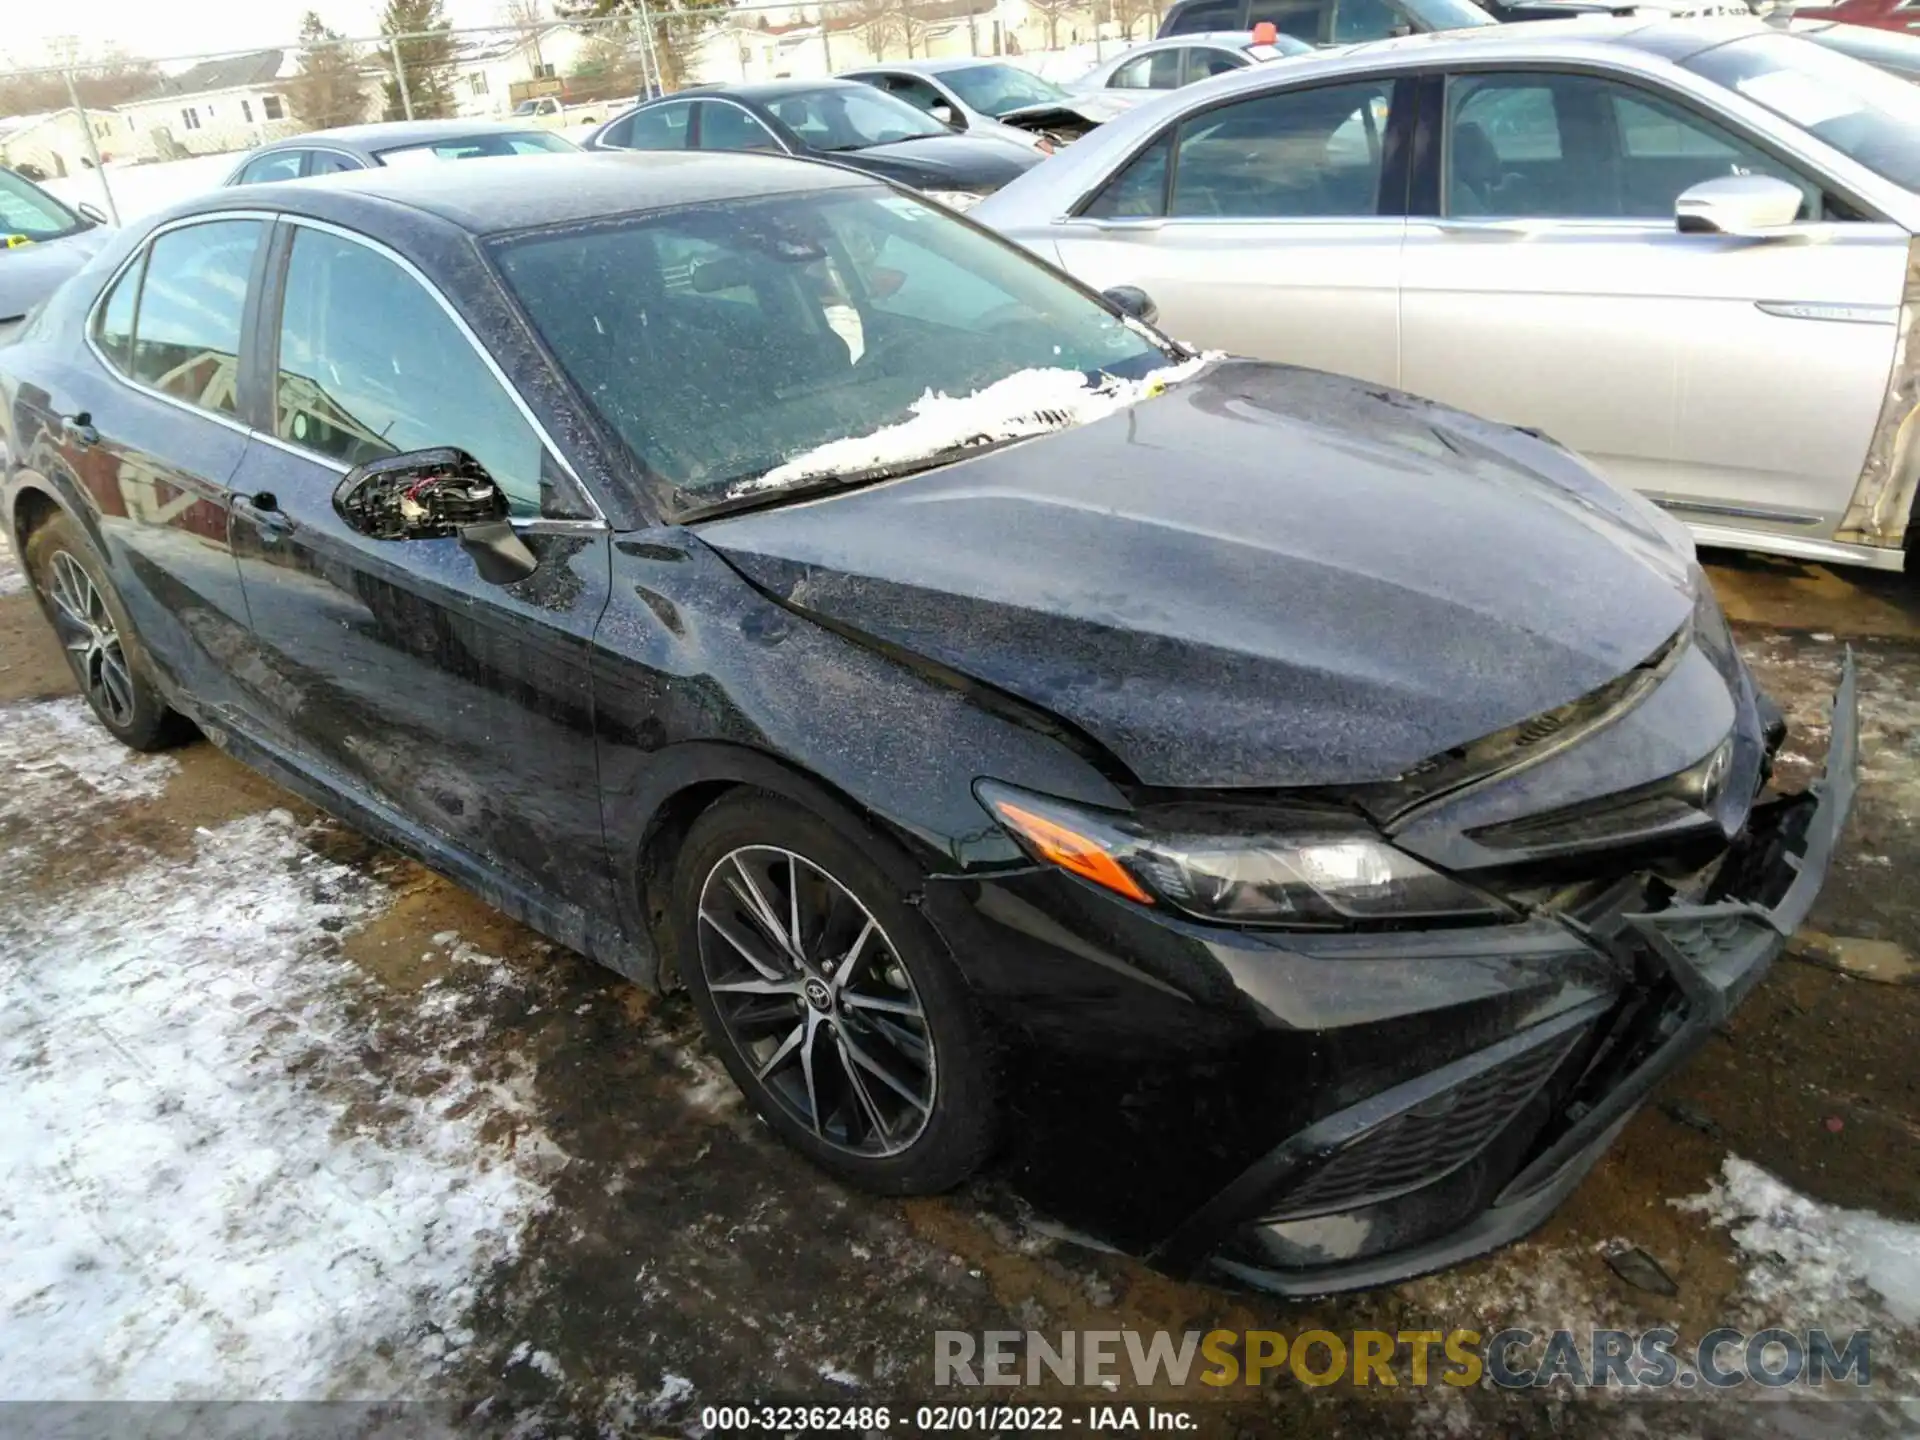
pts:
[673, 1256]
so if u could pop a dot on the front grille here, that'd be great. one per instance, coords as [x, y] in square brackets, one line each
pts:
[1429, 1141]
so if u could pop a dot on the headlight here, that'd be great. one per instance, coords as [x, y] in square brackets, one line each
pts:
[955, 199]
[1313, 869]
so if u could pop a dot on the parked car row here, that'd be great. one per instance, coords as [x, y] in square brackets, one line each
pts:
[1292, 819]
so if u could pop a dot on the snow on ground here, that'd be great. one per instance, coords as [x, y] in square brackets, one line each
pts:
[219, 1176]
[13, 580]
[141, 189]
[1811, 1264]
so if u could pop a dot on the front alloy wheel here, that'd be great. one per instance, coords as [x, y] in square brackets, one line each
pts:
[811, 993]
[831, 1001]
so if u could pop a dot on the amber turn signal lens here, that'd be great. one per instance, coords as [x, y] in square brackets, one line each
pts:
[1071, 850]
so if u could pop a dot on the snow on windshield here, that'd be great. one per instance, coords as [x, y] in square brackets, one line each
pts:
[1028, 402]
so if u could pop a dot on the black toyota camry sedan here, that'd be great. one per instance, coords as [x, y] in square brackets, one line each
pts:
[1291, 824]
[840, 121]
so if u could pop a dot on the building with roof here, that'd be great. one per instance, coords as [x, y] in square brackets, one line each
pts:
[232, 103]
[487, 72]
[53, 145]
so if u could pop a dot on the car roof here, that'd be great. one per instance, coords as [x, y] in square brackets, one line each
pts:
[766, 90]
[1588, 36]
[1229, 39]
[932, 67]
[390, 134]
[503, 193]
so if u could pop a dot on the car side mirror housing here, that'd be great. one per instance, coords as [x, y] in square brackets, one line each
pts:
[947, 116]
[1132, 300]
[435, 495]
[1756, 207]
[90, 211]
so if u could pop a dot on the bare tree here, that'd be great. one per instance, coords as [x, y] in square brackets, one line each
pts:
[879, 22]
[529, 17]
[1053, 10]
[1129, 13]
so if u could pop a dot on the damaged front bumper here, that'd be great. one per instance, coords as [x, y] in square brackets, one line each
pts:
[1482, 1149]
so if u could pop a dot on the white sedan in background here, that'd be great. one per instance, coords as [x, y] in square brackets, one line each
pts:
[1684, 249]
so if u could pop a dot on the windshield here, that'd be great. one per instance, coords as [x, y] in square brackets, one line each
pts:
[1448, 14]
[996, 89]
[1869, 116]
[851, 117]
[475, 147]
[30, 213]
[727, 344]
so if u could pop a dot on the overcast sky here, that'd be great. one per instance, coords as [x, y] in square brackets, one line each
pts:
[184, 27]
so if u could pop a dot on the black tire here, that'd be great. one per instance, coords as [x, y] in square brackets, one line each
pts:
[880, 1140]
[122, 695]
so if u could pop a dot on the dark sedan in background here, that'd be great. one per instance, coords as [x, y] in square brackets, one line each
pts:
[1302, 821]
[840, 121]
[396, 142]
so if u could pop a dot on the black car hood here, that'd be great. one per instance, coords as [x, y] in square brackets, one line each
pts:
[1265, 577]
[30, 273]
[943, 162]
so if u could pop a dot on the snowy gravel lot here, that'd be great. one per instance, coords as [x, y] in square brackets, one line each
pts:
[287, 1117]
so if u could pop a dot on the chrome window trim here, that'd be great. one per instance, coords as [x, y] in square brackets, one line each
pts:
[266, 217]
[460, 324]
[280, 148]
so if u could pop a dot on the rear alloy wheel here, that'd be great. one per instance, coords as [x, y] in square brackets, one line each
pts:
[93, 629]
[829, 1001]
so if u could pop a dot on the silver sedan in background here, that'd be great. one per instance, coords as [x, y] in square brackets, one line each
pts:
[1683, 248]
[1148, 70]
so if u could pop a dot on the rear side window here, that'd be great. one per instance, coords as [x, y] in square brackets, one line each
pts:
[370, 365]
[113, 327]
[186, 329]
[281, 165]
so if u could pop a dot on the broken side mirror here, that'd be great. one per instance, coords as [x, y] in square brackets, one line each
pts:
[433, 495]
[1132, 300]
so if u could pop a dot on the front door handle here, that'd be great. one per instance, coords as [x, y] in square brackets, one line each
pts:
[79, 431]
[263, 512]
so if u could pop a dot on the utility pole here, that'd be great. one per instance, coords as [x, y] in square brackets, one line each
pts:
[400, 77]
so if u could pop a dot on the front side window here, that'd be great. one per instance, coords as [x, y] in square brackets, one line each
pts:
[186, 331]
[1292, 154]
[1157, 70]
[371, 365]
[836, 312]
[728, 127]
[1556, 146]
[1139, 191]
[1867, 114]
[916, 92]
[1204, 62]
[329, 162]
[851, 117]
[26, 209]
[664, 127]
[281, 165]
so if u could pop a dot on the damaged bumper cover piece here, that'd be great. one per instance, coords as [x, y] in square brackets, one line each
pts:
[1484, 1148]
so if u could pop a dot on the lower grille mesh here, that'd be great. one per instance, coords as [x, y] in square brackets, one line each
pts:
[1421, 1145]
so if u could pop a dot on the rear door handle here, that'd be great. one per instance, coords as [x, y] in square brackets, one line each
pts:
[263, 512]
[79, 430]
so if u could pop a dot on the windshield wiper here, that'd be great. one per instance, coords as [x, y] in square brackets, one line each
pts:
[816, 485]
